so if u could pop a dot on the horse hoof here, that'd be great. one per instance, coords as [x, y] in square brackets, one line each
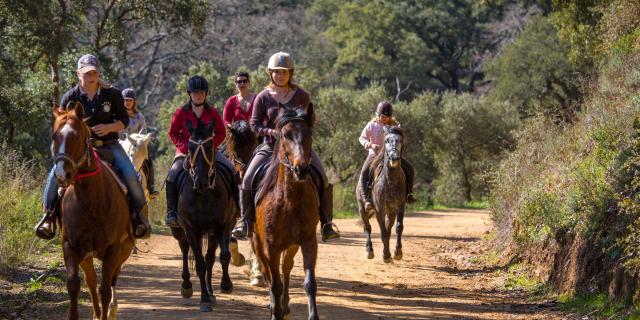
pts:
[387, 260]
[206, 306]
[397, 256]
[226, 289]
[186, 293]
[256, 282]
[370, 255]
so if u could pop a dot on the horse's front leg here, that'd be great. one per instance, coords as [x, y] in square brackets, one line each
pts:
[275, 286]
[287, 265]
[226, 286]
[385, 233]
[186, 289]
[110, 266]
[72, 261]
[399, 229]
[367, 234]
[206, 300]
[91, 279]
[309, 256]
[210, 259]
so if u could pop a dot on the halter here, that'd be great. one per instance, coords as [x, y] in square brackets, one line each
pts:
[211, 175]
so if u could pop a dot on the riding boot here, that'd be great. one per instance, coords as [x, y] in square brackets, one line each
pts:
[244, 226]
[366, 189]
[407, 168]
[46, 227]
[329, 229]
[151, 180]
[141, 227]
[172, 205]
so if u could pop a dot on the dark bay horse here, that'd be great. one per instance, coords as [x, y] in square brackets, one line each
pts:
[206, 213]
[388, 194]
[287, 211]
[94, 214]
[240, 142]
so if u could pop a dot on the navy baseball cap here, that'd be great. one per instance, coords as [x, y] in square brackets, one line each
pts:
[129, 93]
[87, 63]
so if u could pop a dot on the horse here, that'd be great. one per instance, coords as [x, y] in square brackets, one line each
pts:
[388, 195]
[206, 211]
[287, 211]
[94, 214]
[240, 143]
[135, 145]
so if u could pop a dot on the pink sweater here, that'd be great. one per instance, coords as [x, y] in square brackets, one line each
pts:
[373, 133]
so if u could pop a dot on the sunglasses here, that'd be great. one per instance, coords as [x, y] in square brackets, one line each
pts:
[242, 81]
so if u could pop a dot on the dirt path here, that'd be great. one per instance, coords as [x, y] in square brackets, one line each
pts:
[431, 282]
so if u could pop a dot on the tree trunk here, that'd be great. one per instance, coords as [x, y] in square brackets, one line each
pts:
[55, 79]
[466, 183]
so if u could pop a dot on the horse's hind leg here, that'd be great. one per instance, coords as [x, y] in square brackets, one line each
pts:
[210, 260]
[110, 265]
[367, 234]
[287, 265]
[226, 286]
[399, 228]
[385, 233]
[72, 262]
[113, 306]
[90, 278]
[206, 300]
[309, 256]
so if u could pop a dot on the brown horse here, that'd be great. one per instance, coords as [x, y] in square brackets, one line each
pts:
[95, 214]
[287, 211]
[240, 142]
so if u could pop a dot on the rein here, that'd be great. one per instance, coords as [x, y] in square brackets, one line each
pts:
[211, 175]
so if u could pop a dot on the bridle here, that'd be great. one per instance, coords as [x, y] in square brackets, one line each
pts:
[191, 159]
[77, 164]
[287, 162]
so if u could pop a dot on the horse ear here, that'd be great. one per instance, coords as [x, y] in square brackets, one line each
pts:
[56, 110]
[227, 127]
[130, 138]
[79, 110]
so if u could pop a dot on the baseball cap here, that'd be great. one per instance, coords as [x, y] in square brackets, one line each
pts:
[87, 63]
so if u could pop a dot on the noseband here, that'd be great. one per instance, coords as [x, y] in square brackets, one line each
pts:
[286, 162]
[211, 175]
[76, 164]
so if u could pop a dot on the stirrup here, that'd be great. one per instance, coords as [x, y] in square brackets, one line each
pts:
[330, 232]
[241, 231]
[171, 220]
[46, 233]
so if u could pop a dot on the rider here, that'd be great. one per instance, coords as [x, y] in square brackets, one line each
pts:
[137, 124]
[106, 116]
[239, 106]
[265, 110]
[195, 109]
[372, 139]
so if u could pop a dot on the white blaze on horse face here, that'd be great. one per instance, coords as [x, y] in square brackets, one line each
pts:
[59, 166]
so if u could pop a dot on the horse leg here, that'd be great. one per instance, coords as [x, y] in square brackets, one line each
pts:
[226, 286]
[206, 300]
[384, 234]
[367, 234]
[255, 271]
[210, 260]
[113, 306]
[109, 267]
[72, 261]
[275, 288]
[90, 278]
[309, 256]
[186, 289]
[237, 259]
[399, 228]
[287, 265]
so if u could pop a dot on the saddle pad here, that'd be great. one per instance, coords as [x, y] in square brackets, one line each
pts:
[115, 176]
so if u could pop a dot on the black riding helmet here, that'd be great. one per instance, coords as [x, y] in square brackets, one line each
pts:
[197, 84]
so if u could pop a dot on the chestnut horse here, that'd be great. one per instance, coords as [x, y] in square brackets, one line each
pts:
[388, 195]
[206, 213]
[94, 214]
[287, 211]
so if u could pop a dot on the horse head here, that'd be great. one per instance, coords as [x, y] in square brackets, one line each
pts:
[70, 145]
[294, 129]
[393, 139]
[240, 142]
[135, 145]
[201, 159]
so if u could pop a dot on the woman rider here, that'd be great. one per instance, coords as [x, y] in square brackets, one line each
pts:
[265, 110]
[106, 116]
[196, 109]
[137, 124]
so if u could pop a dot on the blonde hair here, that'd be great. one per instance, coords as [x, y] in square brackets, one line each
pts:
[392, 120]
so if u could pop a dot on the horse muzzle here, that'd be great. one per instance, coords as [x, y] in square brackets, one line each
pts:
[300, 171]
[394, 161]
[63, 175]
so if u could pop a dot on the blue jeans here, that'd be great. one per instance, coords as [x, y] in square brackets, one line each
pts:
[123, 167]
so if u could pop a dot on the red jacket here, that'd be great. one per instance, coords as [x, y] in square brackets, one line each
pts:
[179, 134]
[233, 112]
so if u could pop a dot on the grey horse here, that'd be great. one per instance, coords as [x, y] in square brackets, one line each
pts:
[388, 195]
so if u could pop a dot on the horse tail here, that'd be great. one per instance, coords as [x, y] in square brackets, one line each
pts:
[204, 245]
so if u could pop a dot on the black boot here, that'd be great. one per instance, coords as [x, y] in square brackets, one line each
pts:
[329, 230]
[408, 176]
[46, 227]
[244, 226]
[141, 227]
[172, 205]
[366, 190]
[151, 180]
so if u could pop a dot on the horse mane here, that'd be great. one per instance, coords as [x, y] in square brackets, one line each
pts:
[242, 135]
[286, 116]
[379, 157]
[63, 118]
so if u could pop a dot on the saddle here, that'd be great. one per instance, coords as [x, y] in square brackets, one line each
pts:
[225, 172]
[257, 190]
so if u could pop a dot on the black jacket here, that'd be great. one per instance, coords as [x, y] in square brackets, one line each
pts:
[107, 107]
